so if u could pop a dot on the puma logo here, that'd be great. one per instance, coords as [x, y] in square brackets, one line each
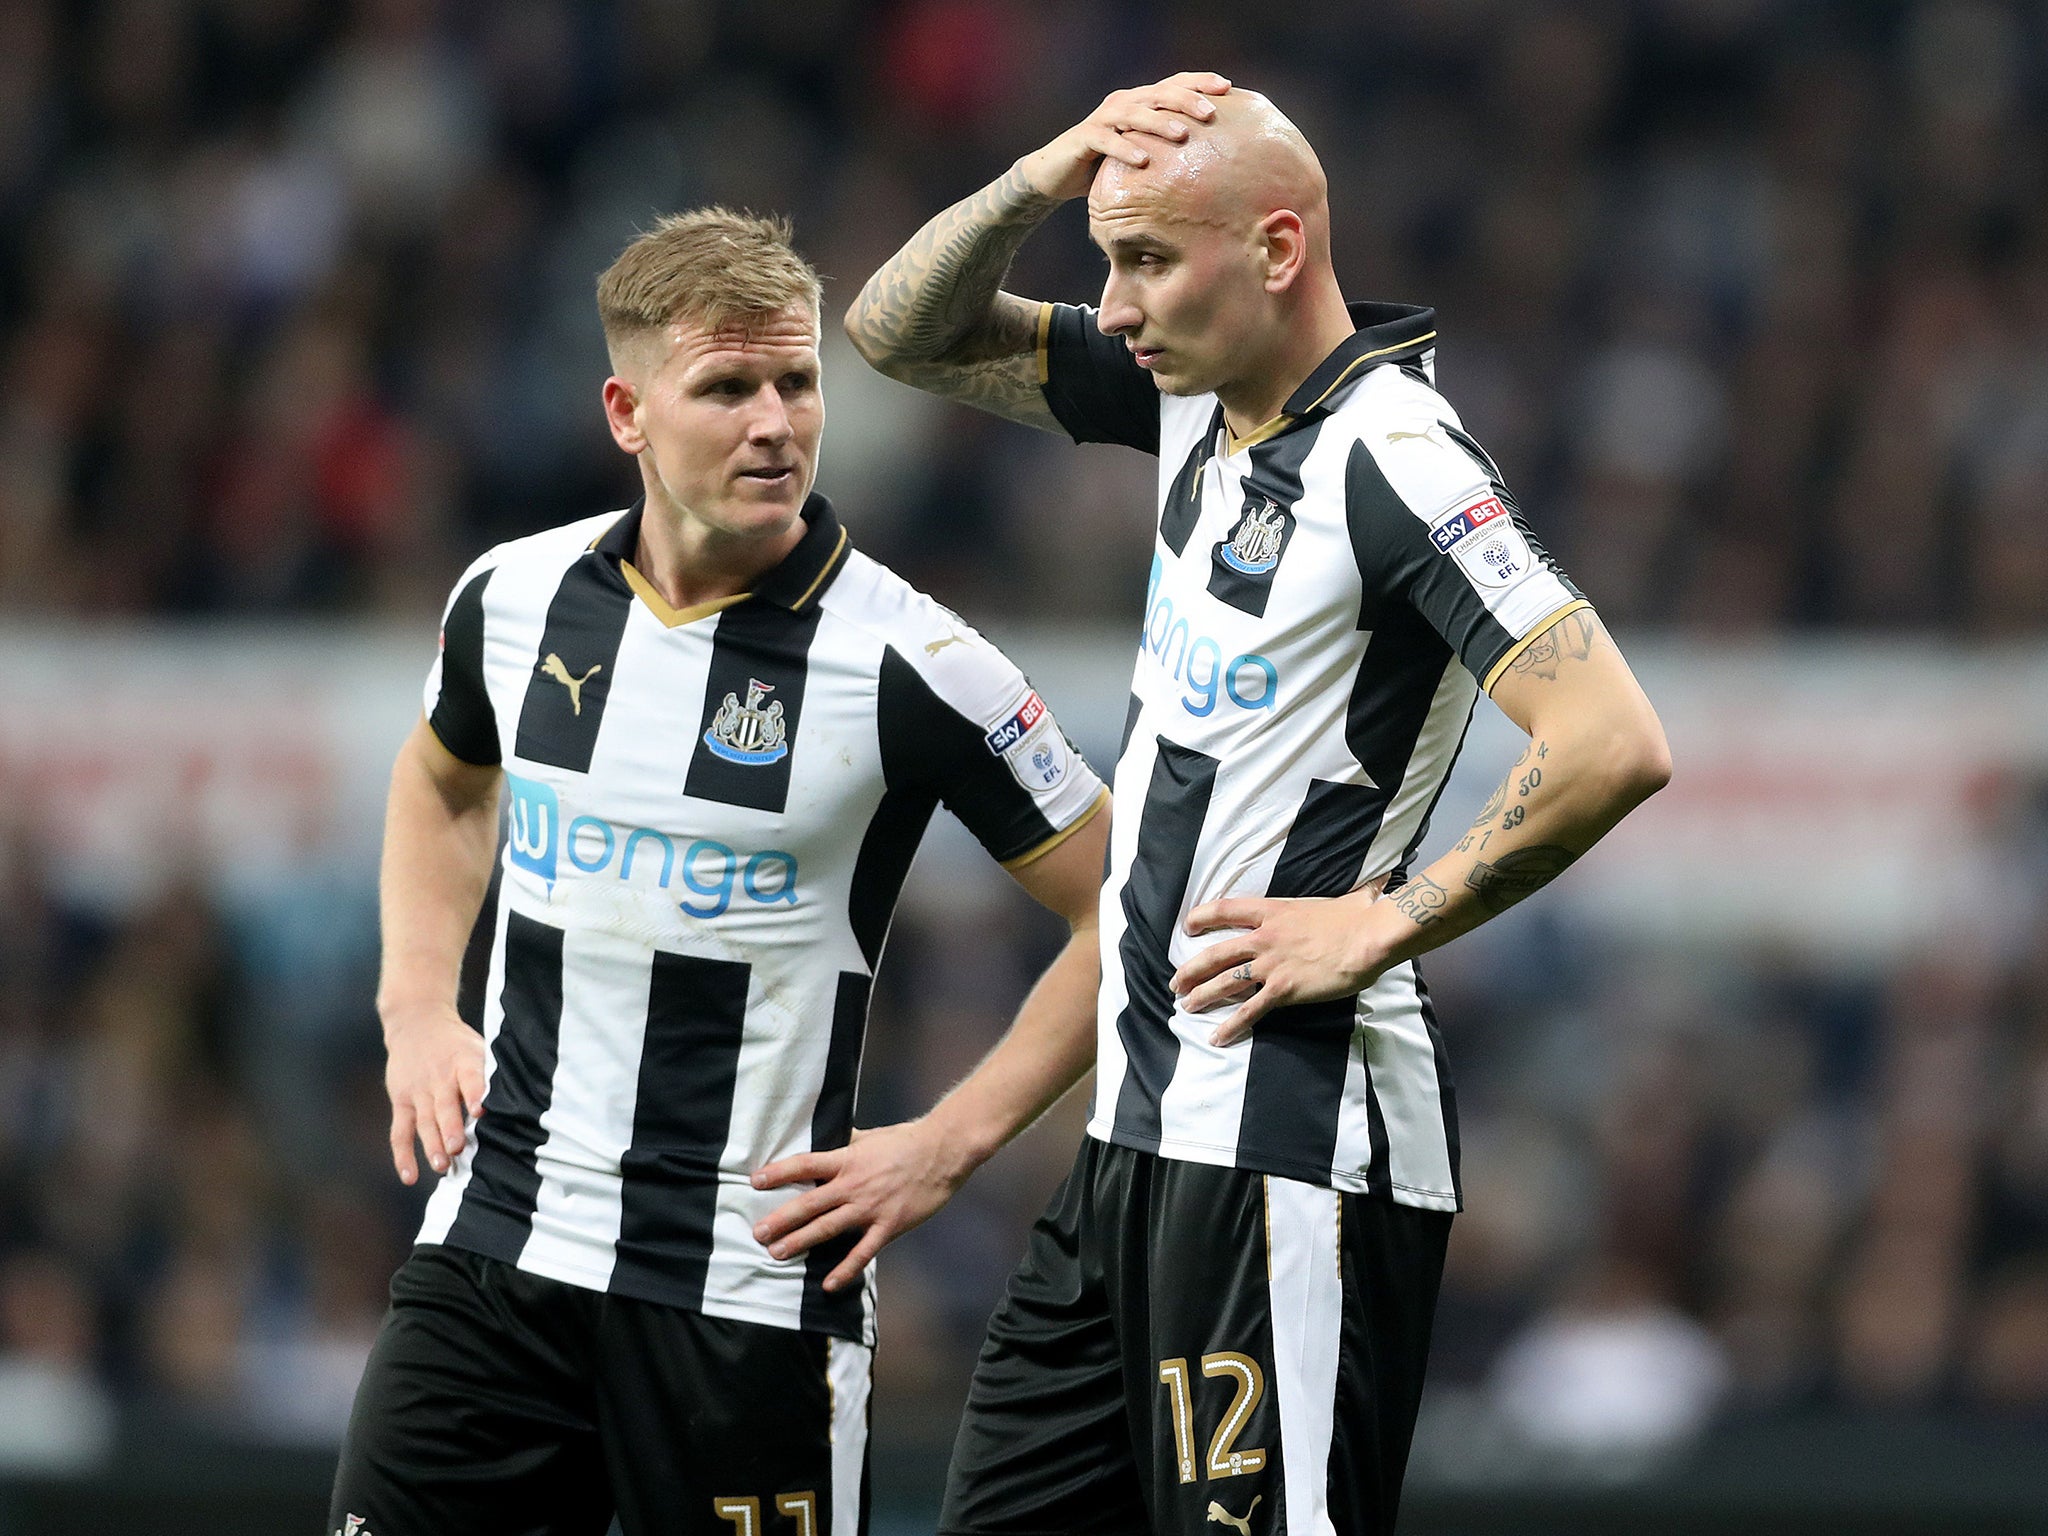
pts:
[1219, 1513]
[1422, 436]
[553, 667]
[933, 647]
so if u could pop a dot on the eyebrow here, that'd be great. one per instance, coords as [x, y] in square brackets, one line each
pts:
[1139, 242]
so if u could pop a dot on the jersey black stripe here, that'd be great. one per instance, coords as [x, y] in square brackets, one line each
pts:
[682, 1114]
[832, 1127]
[1271, 487]
[1294, 1079]
[1182, 508]
[1169, 828]
[574, 667]
[1397, 682]
[760, 655]
[463, 718]
[930, 747]
[886, 852]
[1136, 709]
[1401, 571]
[497, 1208]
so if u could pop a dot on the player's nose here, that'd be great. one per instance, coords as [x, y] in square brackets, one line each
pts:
[769, 420]
[1118, 316]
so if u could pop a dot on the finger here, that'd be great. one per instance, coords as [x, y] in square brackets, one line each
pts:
[401, 1144]
[848, 1270]
[1196, 101]
[448, 1115]
[1224, 955]
[429, 1132]
[1229, 989]
[804, 1168]
[1248, 1014]
[1207, 82]
[792, 1214]
[1159, 122]
[469, 1077]
[1112, 145]
[823, 1230]
[1231, 912]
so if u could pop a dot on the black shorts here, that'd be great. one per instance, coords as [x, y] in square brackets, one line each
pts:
[499, 1403]
[1188, 1348]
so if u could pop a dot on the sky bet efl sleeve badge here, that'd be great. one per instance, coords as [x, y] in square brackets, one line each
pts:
[1485, 542]
[1032, 745]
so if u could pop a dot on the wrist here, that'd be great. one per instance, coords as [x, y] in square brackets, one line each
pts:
[1025, 190]
[962, 1142]
[1371, 951]
[399, 1012]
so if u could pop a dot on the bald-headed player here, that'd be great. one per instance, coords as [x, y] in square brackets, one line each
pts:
[1222, 1321]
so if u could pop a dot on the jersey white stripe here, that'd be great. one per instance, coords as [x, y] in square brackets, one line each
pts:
[848, 1371]
[589, 1119]
[1306, 1291]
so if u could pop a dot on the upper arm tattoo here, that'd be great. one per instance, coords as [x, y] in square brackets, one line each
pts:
[1572, 637]
[935, 317]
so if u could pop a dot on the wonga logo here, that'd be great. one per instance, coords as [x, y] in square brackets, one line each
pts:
[1195, 662]
[712, 872]
[535, 824]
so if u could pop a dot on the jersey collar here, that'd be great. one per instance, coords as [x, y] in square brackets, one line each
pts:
[795, 583]
[1387, 333]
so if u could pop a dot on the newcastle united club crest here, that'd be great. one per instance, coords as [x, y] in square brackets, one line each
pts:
[749, 733]
[1254, 546]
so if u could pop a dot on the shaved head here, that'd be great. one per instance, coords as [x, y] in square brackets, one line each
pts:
[1220, 279]
[1230, 172]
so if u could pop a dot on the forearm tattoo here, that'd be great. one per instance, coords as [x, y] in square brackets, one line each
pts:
[1421, 901]
[935, 317]
[1572, 636]
[1497, 815]
[1516, 874]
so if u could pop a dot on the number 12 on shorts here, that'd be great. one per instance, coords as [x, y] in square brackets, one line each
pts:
[1224, 1459]
[745, 1514]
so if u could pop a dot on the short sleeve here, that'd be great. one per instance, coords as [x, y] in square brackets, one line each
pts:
[458, 705]
[1451, 543]
[972, 733]
[1092, 384]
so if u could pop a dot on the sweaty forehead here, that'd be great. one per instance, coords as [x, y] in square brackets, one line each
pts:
[1181, 187]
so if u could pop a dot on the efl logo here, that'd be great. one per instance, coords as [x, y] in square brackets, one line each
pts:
[1018, 726]
[1462, 524]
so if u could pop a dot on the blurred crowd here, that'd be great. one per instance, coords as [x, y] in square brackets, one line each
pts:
[1748, 297]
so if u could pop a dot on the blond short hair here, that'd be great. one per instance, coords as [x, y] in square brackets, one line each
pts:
[711, 267]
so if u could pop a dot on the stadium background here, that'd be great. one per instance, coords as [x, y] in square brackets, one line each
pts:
[1748, 297]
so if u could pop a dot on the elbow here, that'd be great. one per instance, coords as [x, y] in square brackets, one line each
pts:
[871, 338]
[1638, 763]
[859, 328]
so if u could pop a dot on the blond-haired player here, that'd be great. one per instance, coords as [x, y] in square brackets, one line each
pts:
[719, 731]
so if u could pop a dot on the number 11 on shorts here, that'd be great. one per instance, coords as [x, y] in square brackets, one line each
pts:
[1224, 1459]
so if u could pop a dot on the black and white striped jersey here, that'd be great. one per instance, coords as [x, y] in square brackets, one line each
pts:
[711, 813]
[1325, 597]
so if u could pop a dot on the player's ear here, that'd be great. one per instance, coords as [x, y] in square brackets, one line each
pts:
[1283, 248]
[622, 413]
